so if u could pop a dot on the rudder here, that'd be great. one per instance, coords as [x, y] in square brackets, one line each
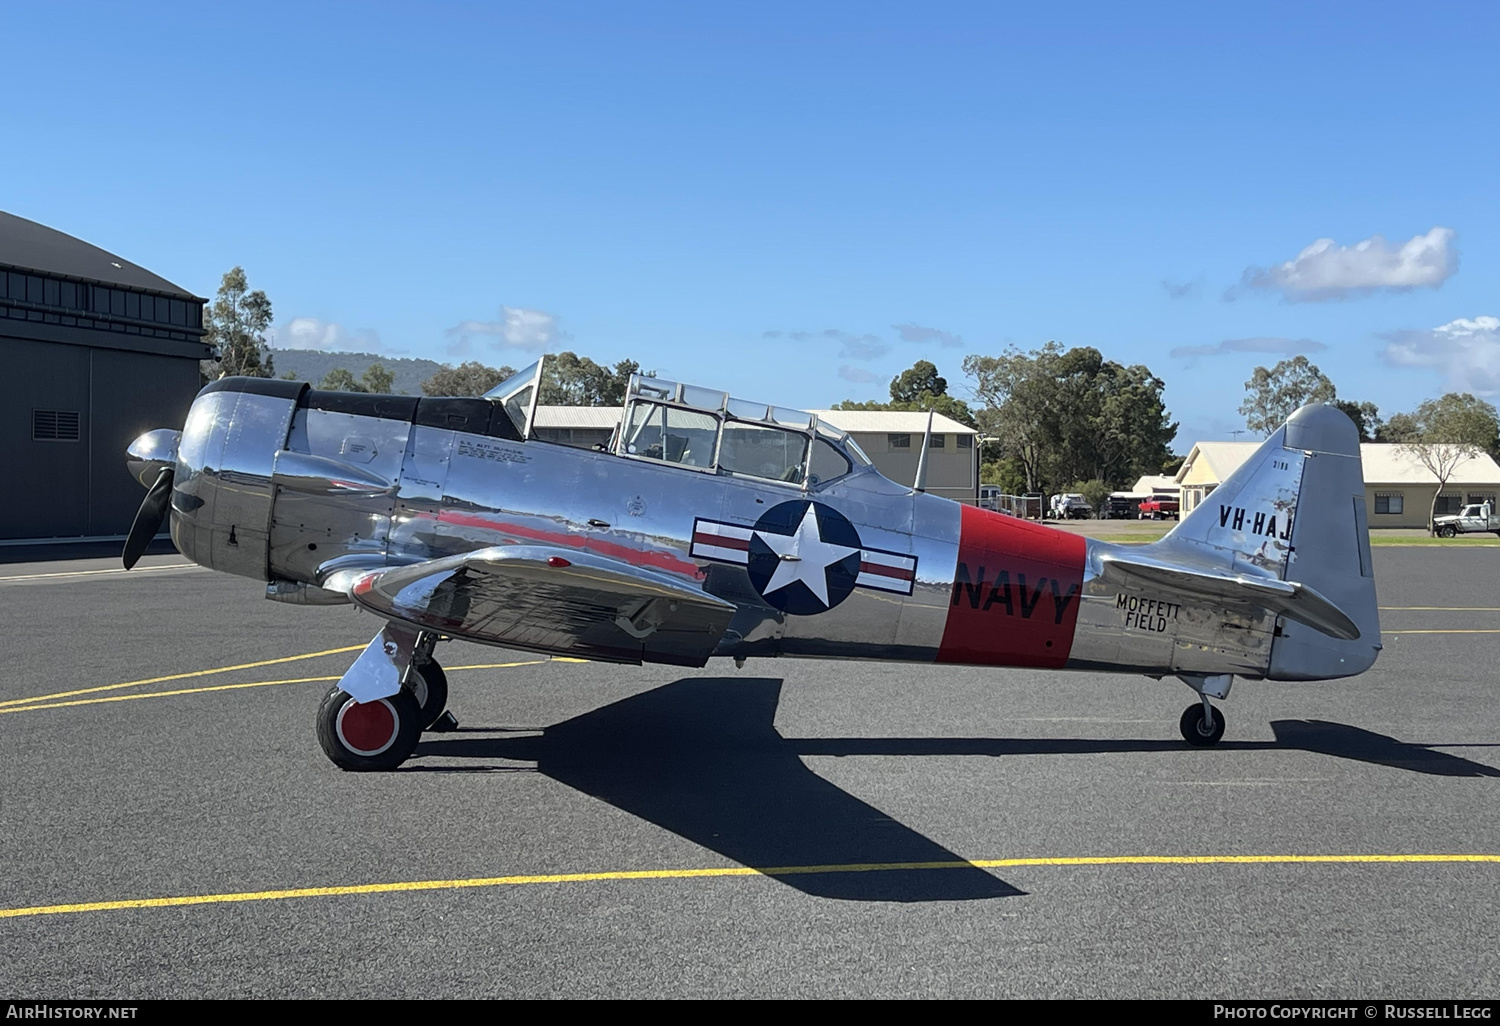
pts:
[1296, 511]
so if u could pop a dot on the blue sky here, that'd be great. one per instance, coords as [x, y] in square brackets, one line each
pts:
[797, 201]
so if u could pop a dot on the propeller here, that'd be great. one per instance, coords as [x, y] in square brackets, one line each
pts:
[149, 517]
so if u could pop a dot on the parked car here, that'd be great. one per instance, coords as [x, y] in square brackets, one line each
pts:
[1159, 508]
[989, 497]
[1120, 507]
[1475, 519]
[1070, 506]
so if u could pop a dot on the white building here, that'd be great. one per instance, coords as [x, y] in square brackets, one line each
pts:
[1398, 488]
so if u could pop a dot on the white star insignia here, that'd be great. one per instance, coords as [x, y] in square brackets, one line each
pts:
[805, 556]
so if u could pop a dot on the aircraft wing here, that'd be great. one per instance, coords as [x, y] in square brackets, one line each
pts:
[1284, 598]
[559, 601]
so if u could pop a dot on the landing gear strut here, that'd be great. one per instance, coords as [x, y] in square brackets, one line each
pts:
[1202, 725]
[429, 683]
[374, 717]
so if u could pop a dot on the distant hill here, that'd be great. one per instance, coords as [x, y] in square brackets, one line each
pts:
[313, 364]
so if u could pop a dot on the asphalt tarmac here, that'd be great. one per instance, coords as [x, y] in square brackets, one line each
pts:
[595, 830]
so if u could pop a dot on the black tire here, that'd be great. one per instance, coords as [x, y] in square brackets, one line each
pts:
[382, 738]
[1194, 729]
[1447, 531]
[431, 690]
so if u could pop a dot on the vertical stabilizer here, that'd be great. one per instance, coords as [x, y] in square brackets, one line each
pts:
[1295, 510]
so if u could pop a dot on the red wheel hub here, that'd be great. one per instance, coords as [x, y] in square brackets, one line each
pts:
[369, 728]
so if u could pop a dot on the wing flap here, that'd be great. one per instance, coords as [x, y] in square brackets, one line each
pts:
[550, 600]
[1284, 598]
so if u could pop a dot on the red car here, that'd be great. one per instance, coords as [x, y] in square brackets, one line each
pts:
[1157, 508]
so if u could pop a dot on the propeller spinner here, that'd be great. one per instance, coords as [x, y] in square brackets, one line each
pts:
[152, 459]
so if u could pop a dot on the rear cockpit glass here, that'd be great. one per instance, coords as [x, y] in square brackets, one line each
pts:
[827, 463]
[719, 433]
[765, 452]
[673, 435]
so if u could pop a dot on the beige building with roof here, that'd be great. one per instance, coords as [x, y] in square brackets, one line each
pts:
[893, 441]
[1398, 488]
[891, 438]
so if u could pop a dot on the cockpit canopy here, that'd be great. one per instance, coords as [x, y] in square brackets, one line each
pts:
[704, 430]
[712, 432]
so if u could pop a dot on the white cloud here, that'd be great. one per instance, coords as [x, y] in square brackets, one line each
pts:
[858, 375]
[917, 333]
[851, 346]
[1179, 289]
[328, 336]
[1279, 346]
[517, 328]
[1466, 351]
[1326, 271]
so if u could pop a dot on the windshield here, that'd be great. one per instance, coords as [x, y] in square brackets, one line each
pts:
[519, 394]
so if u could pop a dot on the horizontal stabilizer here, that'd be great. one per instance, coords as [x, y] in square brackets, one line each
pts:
[1284, 598]
[546, 599]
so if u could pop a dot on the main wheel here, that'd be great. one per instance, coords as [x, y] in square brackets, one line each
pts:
[378, 735]
[1447, 531]
[1197, 731]
[430, 686]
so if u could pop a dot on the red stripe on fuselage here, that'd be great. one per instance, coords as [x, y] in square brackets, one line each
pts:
[1015, 594]
[882, 570]
[722, 541]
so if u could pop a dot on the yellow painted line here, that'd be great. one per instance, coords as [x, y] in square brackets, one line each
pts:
[179, 676]
[162, 694]
[1451, 630]
[32, 707]
[95, 573]
[721, 871]
[1446, 608]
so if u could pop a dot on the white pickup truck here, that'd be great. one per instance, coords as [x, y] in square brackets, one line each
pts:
[1470, 520]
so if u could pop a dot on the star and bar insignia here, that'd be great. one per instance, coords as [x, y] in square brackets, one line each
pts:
[804, 557]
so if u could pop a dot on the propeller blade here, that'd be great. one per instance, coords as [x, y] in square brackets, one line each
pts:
[149, 517]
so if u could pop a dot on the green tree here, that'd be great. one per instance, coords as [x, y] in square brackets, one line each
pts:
[1072, 415]
[1366, 417]
[919, 388]
[1274, 395]
[1447, 433]
[341, 379]
[467, 379]
[1018, 391]
[920, 379]
[572, 380]
[377, 379]
[1402, 427]
[235, 324]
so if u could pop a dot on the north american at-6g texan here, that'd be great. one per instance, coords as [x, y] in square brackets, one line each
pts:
[711, 526]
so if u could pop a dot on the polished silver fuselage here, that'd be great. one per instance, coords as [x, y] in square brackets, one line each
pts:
[271, 488]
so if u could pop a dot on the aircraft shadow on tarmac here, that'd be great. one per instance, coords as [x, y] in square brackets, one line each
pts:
[701, 757]
[1321, 736]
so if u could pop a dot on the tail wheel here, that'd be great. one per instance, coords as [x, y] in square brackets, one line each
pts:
[364, 736]
[1197, 730]
[430, 686]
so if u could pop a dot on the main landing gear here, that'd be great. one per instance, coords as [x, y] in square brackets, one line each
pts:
[381, 731]
[1202, 725]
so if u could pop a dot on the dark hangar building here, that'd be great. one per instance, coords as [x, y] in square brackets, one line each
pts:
[95, 350]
